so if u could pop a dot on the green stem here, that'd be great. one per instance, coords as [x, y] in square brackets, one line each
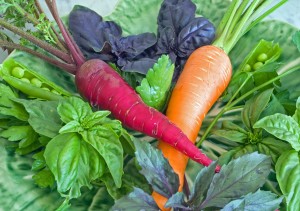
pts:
[42, 44]
[232, 103]
[36, 22]
[223, 110]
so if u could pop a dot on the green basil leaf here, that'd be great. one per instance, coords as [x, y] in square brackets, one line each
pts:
[229, 125]
[273, 107]
[201, 185]
[273, 147]
[73, 163]
[296, 116]
[8, 106]
[155, 87]
[283, 127]
[254, 107]
[288, 176]
[43, 116]
[96, 118]
[106, 142]
[260, 200]
[156, 169]
[231, 135]
[73, 108]
[71, 127]
[136, 201]
[241, 176]
[101, 200]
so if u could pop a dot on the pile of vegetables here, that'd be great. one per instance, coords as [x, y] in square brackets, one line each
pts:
[107, 112]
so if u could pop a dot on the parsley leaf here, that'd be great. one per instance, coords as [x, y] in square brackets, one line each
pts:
[154, 88]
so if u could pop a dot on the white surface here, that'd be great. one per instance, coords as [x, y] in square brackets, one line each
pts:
[290, 12]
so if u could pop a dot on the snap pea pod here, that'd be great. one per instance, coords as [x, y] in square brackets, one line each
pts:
[264, 53]
[30, 82]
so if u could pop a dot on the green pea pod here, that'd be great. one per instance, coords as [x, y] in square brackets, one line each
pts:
[30, 82]
[264, 53]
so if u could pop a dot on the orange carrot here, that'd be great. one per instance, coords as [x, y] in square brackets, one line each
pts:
[204, 78]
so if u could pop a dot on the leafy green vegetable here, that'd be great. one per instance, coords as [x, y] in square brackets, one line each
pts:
[155, 87]
[8, 106]
[44, 178]
[43, 116]
[296, 39]
[73, 163]
[254, 107]
[156, 169]
[287, 174]
[296, 116]
[283, 127]
[260, 200]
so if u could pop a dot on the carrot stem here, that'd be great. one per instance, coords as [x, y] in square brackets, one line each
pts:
[232, 103]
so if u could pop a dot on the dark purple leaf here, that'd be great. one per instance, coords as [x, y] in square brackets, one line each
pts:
[90, 32]
[175, 14]
[166, 41]
[140, 66]
[136, 44]
[197, 33]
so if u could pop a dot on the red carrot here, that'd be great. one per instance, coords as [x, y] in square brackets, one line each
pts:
[104, 88]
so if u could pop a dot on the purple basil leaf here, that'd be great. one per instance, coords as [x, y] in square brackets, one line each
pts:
[156, 169]
[90, 32]
[136, 44]
[176, 14]
[135, 201]
[140, 66]
[166, 40]
[197, 33]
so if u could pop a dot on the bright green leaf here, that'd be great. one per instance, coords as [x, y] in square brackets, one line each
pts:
[106, 142]
[296, 116]
[39, 161]
[96, 118]
[283, 127]
[16, 133]
[8, 106]
[254, 107]
[260, 200]
[155, 87]
[288, 176]
[231, 135]
[73, 163]
[241, 176]
[43, 116]
[156, 169]
[73, 108]
[71, 127]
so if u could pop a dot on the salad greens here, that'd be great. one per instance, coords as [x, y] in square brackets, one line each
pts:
[63, 154]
